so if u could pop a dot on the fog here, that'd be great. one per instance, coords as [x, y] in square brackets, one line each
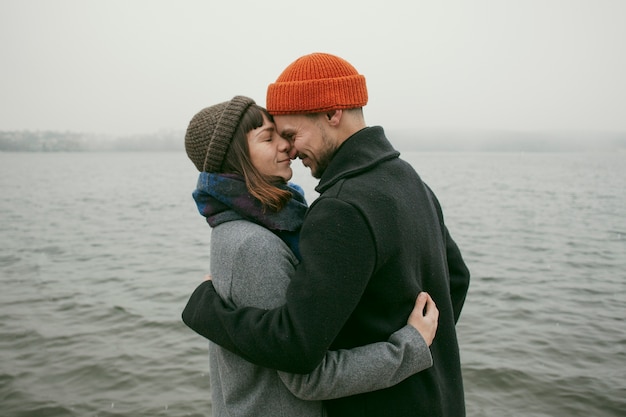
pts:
[120, 68]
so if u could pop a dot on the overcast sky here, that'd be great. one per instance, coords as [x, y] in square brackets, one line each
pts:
[139, 66]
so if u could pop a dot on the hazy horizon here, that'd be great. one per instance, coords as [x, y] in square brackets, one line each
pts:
[403, 139]
[124, 68]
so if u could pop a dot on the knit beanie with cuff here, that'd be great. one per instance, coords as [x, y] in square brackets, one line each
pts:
[316, 83]
[211, 131]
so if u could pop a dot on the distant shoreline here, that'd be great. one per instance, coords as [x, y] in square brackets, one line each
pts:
[403, 139]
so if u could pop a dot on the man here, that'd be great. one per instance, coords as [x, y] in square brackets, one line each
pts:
[373, 239]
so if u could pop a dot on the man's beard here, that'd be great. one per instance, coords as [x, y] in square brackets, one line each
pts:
[326, 156]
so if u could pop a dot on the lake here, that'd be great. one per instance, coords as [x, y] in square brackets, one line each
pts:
[100, 251]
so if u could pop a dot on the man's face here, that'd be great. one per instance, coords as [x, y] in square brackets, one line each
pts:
[310, 138]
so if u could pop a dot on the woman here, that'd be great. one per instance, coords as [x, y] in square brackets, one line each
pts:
[255, 216]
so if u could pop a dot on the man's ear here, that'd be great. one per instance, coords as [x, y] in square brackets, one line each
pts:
[334, 117]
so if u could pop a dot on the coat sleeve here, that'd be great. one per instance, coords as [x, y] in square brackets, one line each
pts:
[458, 271]
[362, 369]
[338, 259]
[459, 275]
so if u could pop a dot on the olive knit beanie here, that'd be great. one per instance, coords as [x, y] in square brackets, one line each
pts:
[211, 131]
[316, 83]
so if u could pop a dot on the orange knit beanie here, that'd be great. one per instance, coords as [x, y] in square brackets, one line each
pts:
[316, 83]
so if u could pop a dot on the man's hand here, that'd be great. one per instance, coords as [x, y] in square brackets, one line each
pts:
[425, 317]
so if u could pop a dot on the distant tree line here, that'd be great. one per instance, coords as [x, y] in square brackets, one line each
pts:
[46, 141]
[55, 141]
[406, 140]
[506, 141]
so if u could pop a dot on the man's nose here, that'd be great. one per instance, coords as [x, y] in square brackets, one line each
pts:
[293, 152]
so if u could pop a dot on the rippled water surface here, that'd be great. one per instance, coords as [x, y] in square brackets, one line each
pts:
[99, 252]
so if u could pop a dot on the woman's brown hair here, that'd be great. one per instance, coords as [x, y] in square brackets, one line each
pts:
[237, 161]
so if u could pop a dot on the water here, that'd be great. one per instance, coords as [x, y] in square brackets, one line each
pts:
[99, 252]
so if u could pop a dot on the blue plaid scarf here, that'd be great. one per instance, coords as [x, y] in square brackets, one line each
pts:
[224, 197]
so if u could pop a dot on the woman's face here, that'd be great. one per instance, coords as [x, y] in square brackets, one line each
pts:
[269, 153]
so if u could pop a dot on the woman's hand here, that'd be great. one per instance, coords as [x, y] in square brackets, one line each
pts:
[425, 317]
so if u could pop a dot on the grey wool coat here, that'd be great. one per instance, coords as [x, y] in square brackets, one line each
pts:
[251, 266]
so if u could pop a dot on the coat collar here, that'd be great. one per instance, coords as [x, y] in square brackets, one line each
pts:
[360, 152]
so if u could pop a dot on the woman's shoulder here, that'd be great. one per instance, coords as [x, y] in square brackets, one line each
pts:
[243, 236]
[242, 230]
[250, 264]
